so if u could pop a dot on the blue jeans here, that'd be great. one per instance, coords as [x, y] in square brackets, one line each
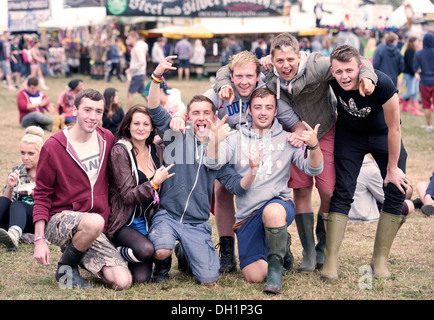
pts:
[412, 88]
[36, 118]
[196, 242]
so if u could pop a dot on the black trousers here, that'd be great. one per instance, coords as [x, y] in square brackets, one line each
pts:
[350, 149]
[16, 213]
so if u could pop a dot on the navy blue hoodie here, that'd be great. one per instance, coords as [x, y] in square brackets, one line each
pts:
[423, 61]
[388, 59]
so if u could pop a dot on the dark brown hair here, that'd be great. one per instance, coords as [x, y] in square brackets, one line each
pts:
[123, 131]
[109, 95]
[91, 94]
[344, 53]
[262, 93]
[201, 98]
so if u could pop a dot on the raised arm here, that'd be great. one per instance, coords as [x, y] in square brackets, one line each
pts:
[165, 65]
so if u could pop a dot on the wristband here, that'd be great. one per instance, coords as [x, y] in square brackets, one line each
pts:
[153, 185]
[38, 238]
[176, 114]
[156, 79]
[314, 147]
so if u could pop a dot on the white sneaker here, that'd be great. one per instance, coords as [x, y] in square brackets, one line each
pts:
[9, 240]
[428, 129]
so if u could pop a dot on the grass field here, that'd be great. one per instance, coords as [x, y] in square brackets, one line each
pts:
[411, 259]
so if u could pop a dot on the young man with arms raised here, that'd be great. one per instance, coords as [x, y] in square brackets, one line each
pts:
[266, 210]
[301, 79]
[245, 73]
[365, 124]
[71, 199]
[185, 198]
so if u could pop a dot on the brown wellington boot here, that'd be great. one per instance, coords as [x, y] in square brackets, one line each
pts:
[388, 226]
[335, 230]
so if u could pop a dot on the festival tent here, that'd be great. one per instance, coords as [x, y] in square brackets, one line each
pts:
[420, 7]
[76, 17]
[177, 32]
[239, 26]
[210, 27]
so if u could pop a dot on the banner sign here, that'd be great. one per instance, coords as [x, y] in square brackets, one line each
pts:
[24, 15]
[85, 3]
[196, 8]
[24, 5]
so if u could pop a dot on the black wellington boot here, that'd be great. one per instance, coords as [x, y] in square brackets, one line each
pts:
[276, 240]
[228, 262]
[67, 273]
[161, 270]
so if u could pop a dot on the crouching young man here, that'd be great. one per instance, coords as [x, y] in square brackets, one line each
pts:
[71, 199]
[266, 209]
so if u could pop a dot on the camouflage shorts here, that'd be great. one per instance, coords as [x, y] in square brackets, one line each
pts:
[62, 227]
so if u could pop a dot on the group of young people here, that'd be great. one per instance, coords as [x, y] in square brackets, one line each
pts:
[118, 206]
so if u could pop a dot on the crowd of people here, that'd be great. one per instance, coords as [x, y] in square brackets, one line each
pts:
[249, 151]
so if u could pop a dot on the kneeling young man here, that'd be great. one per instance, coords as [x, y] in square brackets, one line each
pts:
[186, 197]
[266, 209]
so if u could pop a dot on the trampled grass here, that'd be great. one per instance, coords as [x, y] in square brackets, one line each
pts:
[411, 259]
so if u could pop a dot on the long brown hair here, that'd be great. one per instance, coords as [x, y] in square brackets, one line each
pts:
[109, 95]
[124, 128]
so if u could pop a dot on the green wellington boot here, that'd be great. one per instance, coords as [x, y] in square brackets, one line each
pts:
[276, 240]
[388, 226]
[335, 226]
[305, 222]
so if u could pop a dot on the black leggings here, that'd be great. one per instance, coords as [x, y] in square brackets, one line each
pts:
[143, 250]
[16, 213]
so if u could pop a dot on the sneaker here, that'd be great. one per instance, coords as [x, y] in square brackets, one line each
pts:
[9, 240]
[428, 209]
[428, 129]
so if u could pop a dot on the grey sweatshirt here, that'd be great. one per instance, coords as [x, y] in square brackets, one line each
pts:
[237, 111]
[187, 195]
[273, 175]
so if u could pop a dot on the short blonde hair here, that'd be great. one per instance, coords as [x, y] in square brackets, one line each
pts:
[243, 59]
[34, 135]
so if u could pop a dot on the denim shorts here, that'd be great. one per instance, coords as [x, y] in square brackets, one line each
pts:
[251, 235]
[137, 84]
[183, 63]
[196, 242]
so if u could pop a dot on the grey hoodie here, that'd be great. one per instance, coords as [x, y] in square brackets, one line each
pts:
[273, 175]
[187, 195]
